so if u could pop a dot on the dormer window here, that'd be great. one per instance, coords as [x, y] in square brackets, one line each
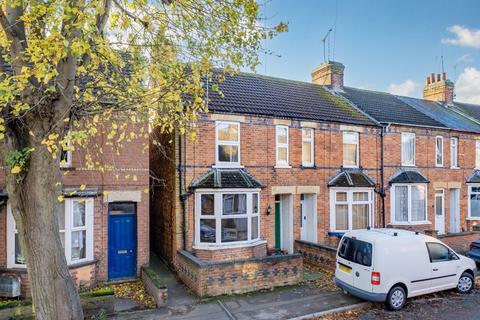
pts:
[228, 143]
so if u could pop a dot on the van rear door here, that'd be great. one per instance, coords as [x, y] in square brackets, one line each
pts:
[344, 269]
[357, 255]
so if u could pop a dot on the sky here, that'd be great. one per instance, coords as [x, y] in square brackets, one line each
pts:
[385, 45]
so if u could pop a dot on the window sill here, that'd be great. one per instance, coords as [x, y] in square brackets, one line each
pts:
[413, 223]
[228, 166]
[282, 166]
[308, 166]
[456, 168]
[350, 167]
[473, 218]
[204, 246]
[75, 265]
[408, 165]
[439, 166]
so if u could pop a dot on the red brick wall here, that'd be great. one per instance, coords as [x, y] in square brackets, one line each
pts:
[240, 276]
[232, 253]
[258, 155]
[439, 177]
[118, 168]
[460, 242]
[316, 254]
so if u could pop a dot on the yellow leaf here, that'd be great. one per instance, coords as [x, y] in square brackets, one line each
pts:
[82, 187]
[60, 198]
[16, 170]
[145, 190]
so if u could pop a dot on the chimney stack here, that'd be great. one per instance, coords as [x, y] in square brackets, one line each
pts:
[440, 90]
[329, 74]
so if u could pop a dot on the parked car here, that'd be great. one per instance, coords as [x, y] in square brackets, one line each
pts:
[474, 251]
[391, 265]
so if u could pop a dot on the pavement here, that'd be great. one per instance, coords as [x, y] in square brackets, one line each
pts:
[280, 303]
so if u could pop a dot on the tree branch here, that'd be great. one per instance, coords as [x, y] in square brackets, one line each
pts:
[130, 15]
[103, 18]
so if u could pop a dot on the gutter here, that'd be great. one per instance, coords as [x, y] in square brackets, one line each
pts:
[382, 172]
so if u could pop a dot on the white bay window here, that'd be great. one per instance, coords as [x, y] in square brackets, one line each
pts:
[76, 233]
[409, 204]
[227, 217]
[350, 209]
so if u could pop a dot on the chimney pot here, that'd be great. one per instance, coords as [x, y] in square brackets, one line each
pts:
[428, 80]
[438, 77]
[433, 77]
[444, 76]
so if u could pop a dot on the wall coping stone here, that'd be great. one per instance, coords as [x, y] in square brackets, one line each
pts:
[206, 264]
[458, 234]
[316, 245]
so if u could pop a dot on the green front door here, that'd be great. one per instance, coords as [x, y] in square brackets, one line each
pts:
[277, 225]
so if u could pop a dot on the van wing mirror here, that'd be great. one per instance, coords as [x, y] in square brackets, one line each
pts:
[452, 255]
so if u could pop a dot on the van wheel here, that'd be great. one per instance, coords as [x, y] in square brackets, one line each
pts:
[396, 298]
[465, 283]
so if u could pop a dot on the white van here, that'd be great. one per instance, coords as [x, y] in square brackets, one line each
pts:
[391, 265]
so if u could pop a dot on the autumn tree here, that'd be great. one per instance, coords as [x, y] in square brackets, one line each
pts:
[68, 65]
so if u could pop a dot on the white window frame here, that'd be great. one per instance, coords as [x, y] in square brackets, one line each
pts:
[437, 151]
[470, 192]
[392, 204]
[282, 164]
[477, 154]
[311, 141]
[350, 203]
[356, 143]
[228, 143]
[89, 221]
[404, 136]
[454, 157]
[218, 216]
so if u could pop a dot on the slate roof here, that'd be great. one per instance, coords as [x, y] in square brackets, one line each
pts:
[468, 109]
[253, 94]
[474, 177]
[408, 176]
[387, 108]
[351, 179]
[226, 178]
[442, 114]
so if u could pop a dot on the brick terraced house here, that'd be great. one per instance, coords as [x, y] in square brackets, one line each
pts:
[105, 226]
[279, 166]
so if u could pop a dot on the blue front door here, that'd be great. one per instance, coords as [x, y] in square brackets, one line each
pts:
[122, 240]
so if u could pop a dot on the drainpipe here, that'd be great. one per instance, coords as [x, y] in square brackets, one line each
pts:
[183, 196]
[382, 172]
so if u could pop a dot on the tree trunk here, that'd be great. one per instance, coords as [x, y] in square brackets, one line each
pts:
[35, 207]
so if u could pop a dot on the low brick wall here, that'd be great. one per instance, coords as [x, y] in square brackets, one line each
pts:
[208, 278]
[257, 251]
[460, 242]
[316, 254]
[83, 276]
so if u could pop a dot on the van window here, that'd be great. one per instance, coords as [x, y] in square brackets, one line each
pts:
[438, 252]
[356, 251]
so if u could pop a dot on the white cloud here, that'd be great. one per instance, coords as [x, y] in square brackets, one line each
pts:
[405, 88]
[464, 37]
[467, 87]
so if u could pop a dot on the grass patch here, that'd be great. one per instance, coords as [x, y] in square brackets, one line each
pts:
[154, 276]
[12, 303]
[98, 292]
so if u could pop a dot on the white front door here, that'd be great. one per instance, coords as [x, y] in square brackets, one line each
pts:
[286, 223]
[454, 210]
[308, 222]
[440, 211]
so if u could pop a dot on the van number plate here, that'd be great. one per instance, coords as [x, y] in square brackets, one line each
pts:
[345, 268]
